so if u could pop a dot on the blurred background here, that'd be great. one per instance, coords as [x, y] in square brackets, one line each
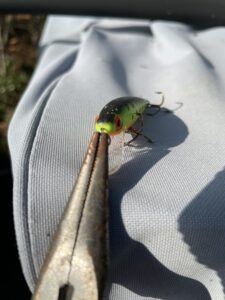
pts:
[19, 36]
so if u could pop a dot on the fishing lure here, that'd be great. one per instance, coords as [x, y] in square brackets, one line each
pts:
[120, 114]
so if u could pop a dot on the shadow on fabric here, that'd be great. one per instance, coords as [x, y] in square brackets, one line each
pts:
[131, 264]
[203, 227]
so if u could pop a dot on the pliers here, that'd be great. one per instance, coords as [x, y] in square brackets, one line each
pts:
[76, 263]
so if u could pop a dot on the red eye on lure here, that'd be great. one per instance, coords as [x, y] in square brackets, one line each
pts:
[118, 122]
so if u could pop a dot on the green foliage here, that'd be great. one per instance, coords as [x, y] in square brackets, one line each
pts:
[12, 84]
[19, 35]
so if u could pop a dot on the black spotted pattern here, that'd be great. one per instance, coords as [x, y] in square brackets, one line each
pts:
[118, 106]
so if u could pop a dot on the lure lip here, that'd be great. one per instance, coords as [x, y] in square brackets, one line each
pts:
[103, 127]
[108, 128]
[103, 130]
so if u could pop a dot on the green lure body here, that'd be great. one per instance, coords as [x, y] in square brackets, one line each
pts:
[120, 114]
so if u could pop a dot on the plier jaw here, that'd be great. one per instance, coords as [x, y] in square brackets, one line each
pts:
[76, 263]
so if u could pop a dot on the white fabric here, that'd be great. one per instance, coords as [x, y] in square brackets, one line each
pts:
[167, 202]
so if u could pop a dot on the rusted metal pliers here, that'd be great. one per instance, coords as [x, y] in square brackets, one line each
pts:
[75, 266]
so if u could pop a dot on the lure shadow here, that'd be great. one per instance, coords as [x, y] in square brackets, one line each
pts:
[132, 264]
[202, 225]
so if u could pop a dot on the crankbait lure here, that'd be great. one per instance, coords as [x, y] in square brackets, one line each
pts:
[118, 117]
[120, 114]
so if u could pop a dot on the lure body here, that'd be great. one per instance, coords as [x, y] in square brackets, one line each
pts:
[120, 114]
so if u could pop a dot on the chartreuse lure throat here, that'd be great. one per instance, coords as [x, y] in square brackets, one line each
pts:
[120, 114]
